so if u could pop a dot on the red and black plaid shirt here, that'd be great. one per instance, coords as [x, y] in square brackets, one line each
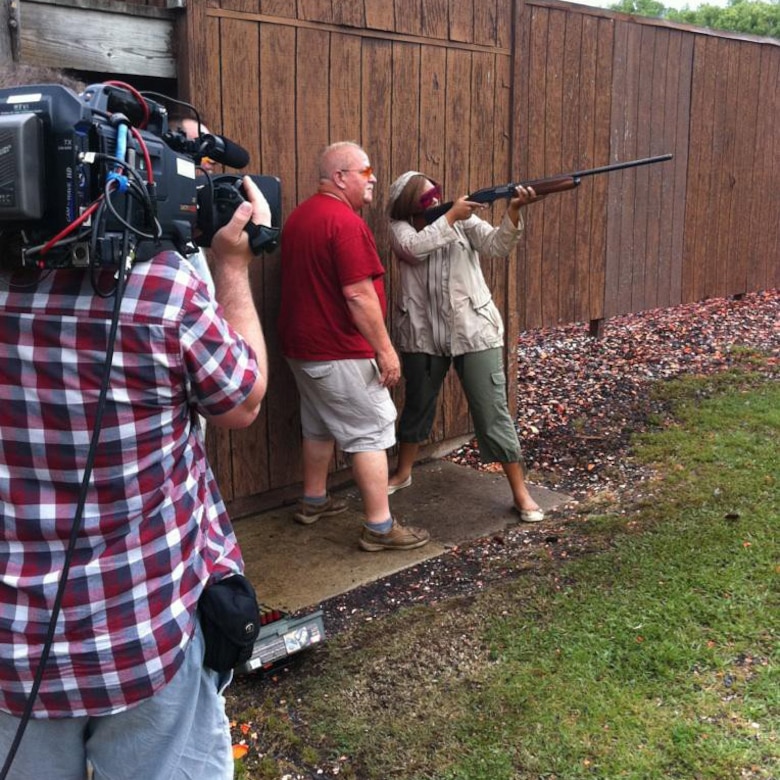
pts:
[155, 528]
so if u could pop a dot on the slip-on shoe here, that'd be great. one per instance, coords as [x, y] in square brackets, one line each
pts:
[395, 488]
[530, 515]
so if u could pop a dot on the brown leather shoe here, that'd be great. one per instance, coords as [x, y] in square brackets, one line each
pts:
[309, 513]
[399, 537]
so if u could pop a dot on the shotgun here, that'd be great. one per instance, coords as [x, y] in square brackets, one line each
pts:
[559, 183]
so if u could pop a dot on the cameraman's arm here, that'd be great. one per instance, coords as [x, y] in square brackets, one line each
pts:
[232, 257]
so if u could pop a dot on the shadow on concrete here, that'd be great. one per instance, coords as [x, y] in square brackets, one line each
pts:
[294, 567]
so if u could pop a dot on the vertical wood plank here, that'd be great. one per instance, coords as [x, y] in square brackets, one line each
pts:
[311, 89]
[433, 113]
[658, 186]
[507, 13]
[462, 20]
[405, 119]
[586, 63]
[535, 122]
[351, 13]
[436, 19]
[380, 15]
[486, 22]
[614, 191]
[346, 98]
[244, 6]
[710, 139]
[519, 110]
[568, 268]
[278, 150]
[642, 265]
[597, 308]
[731, 266]
[679, 166]
[740, 241]
[409, 16]
[553, 163]
[315, 10]
[239, 85]
[764, 271]
[376, 131]
[282, 8]
[624, 148]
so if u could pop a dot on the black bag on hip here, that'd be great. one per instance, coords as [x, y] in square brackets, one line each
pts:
[230, 619]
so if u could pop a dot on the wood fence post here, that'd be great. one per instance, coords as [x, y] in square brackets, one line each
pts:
[10, 23]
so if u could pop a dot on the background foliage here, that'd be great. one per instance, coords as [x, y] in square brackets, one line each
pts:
[745, 16]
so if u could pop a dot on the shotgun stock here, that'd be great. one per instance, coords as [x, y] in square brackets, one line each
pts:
[559, 183]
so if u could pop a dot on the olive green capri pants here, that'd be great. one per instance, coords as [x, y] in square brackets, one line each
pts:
[483, 380]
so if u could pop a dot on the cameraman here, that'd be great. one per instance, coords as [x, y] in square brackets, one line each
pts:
[124, 689]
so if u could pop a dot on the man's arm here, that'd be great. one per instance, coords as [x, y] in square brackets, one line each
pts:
[366, 312]
[232, 257]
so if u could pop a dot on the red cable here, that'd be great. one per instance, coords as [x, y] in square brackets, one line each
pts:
[147, 157]
[137, 95]
[70, 228]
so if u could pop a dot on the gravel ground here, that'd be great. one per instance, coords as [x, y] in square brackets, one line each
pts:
[579, 401]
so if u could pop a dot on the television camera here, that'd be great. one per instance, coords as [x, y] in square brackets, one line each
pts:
[99, 180]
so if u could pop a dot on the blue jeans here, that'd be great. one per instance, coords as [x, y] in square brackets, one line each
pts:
[180, 732]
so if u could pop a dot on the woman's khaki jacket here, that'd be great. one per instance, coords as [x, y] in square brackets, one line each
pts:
[474, 321]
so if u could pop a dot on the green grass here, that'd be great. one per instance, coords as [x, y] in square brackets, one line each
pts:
[652, 659]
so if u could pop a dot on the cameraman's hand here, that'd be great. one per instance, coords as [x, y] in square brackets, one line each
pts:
[232, 257]
[231, 241]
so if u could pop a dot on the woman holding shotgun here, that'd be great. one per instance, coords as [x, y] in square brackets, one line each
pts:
[447, 315]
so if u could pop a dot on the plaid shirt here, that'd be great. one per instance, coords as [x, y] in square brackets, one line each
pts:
[154, 527]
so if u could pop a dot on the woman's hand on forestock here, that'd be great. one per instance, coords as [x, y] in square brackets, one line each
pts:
[524, 196]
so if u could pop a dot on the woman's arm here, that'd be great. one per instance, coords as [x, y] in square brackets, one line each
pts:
[413, 246]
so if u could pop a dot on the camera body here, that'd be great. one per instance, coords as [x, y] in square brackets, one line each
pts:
[86, 180]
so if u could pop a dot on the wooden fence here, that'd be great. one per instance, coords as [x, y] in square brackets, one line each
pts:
[475, 92]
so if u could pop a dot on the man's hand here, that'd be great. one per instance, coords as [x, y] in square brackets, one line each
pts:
[389, 367]
[231, 243]
[366, 313]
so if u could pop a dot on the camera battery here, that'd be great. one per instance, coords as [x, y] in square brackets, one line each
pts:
[21, 172]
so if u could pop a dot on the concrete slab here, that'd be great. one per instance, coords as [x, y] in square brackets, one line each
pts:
[294, 566]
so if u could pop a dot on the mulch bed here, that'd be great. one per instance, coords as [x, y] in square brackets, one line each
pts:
[580, 400]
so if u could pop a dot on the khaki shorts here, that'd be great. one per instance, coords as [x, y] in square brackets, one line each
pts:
[344, 400]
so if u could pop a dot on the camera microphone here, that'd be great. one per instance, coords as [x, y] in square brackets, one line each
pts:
[224, 151]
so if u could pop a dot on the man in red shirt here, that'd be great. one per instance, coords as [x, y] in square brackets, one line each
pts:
[333, 334]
